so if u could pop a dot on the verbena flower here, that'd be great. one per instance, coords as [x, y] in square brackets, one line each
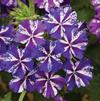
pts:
[47, 4]
[20, 84]
[49, 57]
[74, 42]
[58, 20]
[49, 83]
[6, 36]
[78, 74]
[10, 3]
[18, 61]
[30, 33]
[96, 4]
[94, 26]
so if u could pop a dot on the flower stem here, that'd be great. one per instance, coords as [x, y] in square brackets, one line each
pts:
[22, 96]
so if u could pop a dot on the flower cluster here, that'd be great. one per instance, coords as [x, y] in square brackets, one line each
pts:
[39, 49]
[94, 25]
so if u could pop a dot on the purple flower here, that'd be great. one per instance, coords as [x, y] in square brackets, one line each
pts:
[94, 26]
[96, 4]
[30, 33]
[18, 61]
[6, 36]
[20, 84]
[47, 4]
[78, 74]
[59, 98]
[58, 20]
[9, 2]
[49, 57]
[49, 83]
[74, 42]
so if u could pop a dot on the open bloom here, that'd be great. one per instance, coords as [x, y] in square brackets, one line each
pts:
[94, 26]
[18, 61]
[74, 42]
[78, 74]
[6, 36]
[10, 3]
[20, 84]
[49, 57]
[49, 83]
[58, 20]
[30, 33]
[96, 4]
[47, 4]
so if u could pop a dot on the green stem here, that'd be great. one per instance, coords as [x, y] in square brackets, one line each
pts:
[22, 96]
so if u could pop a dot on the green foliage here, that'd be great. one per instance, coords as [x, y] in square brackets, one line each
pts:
[23, 12]
[7, 97]
[94, 89]
[83, 8]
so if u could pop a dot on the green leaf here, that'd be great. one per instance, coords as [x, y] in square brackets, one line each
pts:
[23, 12]
[7, 97]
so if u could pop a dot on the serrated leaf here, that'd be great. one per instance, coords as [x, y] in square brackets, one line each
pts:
[7, 97]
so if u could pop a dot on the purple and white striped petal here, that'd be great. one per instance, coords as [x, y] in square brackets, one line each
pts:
[60, 19]
[6, 33]
[6, 36]
[49, 57]
[18, 61]
[78, 74]
[48, 83]
[47, 4]
[30, 33]
[74, 42]
[19, 85]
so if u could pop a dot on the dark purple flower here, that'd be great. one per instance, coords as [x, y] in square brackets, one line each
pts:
[94, 26]
[20, 84]
[48, 83]
[18, 61]
[59, 98]
[58, 20]
[49, 57]
[6, 36]
[78, 74]
[74, 42]
[96, 4]
[30, 33]
[47, 4]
